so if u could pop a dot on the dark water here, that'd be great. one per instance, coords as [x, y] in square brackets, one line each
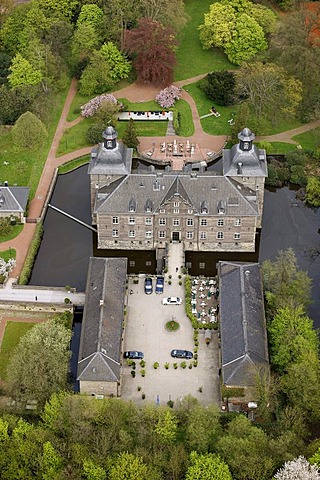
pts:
[63, 257]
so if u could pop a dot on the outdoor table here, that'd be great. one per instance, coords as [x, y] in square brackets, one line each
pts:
[203, 304]
[203, 313]
[201, 289]
[194, 301]
[202, 295]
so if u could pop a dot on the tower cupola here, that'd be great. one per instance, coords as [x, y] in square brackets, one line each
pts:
[246, 138]
[110, 138]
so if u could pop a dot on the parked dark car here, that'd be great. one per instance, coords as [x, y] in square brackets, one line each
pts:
[133, 355]
[159, 284]
[148, 285]
[181, 354]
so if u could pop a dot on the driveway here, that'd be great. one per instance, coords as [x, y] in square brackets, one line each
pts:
[144, 331]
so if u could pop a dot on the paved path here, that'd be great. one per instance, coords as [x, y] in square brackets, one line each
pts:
[134, 93]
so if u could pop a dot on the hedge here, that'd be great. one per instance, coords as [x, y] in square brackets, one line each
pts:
[31, 255]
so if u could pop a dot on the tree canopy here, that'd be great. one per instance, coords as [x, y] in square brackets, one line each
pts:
[29, 131]
[154, 46]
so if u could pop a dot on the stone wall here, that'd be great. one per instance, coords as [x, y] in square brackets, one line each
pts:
[106, 389]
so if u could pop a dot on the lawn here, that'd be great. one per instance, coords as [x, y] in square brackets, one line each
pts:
[16, 229]
[186, 121]
[12, 334]
[73, 164]
[213, 125]
[25, 166]
[7, 254]
[192, 59]
[74, 137]
[281, 148]
[309, 140]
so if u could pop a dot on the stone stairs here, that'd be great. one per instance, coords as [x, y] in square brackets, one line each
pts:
[170, 128]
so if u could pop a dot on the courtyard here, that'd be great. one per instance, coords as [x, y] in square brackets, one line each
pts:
[145, 331]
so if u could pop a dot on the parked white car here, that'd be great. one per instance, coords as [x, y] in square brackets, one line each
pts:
[171, 301]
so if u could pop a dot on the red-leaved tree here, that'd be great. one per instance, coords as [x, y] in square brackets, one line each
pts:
[154, 46]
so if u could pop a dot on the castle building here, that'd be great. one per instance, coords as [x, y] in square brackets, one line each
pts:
[205, 211]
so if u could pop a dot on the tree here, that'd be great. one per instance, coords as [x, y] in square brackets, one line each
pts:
[129, 137]
[6, 7]
[58, 36]
[128, 467]
[120, 16]
[96, 77]
[220, 87]
[266, 18]
[166, 428]
[51, 463]
[40, 363]
[171, 13]
[92, 471]
[29, 131]
[267, 89]
[313, 191]
[298, 469]
[154, 46]
[202, 428]
[247, 40]
[235, 27]
[291, 335]
[245, 448]
[13, 26]
[92, 15]
[58, 9]
[23, 73]
[207, 467]
[118, 64]
[85, 41]
[14, 102]
[284, 284]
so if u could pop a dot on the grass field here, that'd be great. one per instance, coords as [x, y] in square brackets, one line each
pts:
[73, 164]
[74, 137]
[279, 148]
[11, 338]
[16, 229]
[192, 60]
[6, 254]
[25, 166]
[309, 140]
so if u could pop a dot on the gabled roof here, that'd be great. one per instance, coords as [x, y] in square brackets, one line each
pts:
[13, 199]
[196, 190]
[242, 323]
[101, 333]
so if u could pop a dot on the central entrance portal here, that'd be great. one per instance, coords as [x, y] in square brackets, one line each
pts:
[175, 236]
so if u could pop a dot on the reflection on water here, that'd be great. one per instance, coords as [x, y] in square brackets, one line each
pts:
[64, 254]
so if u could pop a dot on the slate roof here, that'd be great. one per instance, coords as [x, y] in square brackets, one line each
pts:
[253, 162]
[242, 323]
[13, 199]
[101, 333]
[193, 188]
[110, 161]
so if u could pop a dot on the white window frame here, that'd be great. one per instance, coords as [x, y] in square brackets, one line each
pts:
[189, 222]
[176, 222]
[115, 220]
[176, 204]
[190, 235]
[148, 221]
[236, 236]
[148, 234]
[204, 222]
[237, 222]
[115, 233]
[176, 210]
[162, 221]
[203, 235]
[162, 234]
[131, 220]
[220, 222]
[132, 233]
[220, 235]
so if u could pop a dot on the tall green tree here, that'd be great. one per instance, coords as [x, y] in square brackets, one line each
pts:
[129, 137]
[207, 467]
[313, 191]
[23, 73]
[40, 363]
[117, 62]
[29, 131]
[128, 467]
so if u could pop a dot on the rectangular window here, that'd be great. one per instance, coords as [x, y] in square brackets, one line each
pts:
[115, 233]
[236, 236]
[220, 235]
[162, 210]
[162, 221]
[176, 204]
[237, 222]
[189, 222]
[188, 264]
[220, 222]
[132, 221]
[189, 234]
[148, 221]
[202, 265]
[190, 211]
[132, 233]
[115, 220]
[162, 234]
[203, 222]
[203, 235]
[176, 210]
[176, 222]
[132, 263]
[148, 263]
[148, 234]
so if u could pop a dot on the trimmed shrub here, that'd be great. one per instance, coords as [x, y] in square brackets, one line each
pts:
[29, 131]
[31, 255]
[183, 364]
[166, 365]
[156, 365]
